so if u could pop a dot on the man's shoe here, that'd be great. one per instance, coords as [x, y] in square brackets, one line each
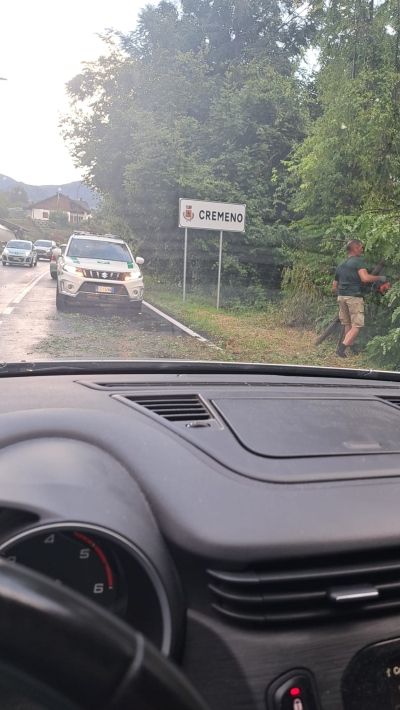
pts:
[340, 352]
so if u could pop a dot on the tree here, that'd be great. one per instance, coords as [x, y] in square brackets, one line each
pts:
[4, 205]
[351, 160]
[167, 126]
[18, 196]
[231, 31]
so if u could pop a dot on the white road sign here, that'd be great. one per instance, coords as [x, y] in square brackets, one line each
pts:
[221, 216]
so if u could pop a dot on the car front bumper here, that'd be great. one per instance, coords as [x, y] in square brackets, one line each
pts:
[81, 290]
[17, 260]
[43, 254]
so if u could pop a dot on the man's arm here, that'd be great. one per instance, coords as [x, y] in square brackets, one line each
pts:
[367, 278]
[335, 287]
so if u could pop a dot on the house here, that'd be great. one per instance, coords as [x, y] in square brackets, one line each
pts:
[77, 210]
[5, 234]
[9, 230]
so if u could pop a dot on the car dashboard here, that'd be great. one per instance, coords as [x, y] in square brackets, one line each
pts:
[247, 524]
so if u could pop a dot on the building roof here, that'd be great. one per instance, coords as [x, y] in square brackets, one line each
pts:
[11, 225]
[63, 203]
[5, 233]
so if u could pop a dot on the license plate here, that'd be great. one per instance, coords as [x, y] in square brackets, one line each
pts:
[104, 289]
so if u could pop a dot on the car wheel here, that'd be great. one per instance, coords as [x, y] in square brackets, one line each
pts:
[60, 301]
[4, 263]
[31, 264]
[53, 275]
[35, 264]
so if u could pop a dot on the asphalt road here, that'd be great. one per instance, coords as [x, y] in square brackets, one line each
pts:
[32, 329]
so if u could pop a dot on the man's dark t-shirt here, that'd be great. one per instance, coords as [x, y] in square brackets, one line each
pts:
[347, 276]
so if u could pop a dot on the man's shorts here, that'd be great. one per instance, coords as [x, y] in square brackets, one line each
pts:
[351, 311]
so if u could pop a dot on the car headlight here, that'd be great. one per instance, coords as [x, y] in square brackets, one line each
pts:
[27, 253]
[5, 251]
[72, 270]
[132, 276]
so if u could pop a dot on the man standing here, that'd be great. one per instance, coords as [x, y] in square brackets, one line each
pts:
[349, 277]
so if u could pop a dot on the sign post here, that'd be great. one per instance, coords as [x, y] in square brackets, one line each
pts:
[184, 267]
[219, 267]
[221, 216]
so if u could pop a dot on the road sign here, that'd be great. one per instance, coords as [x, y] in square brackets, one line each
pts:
[221, 216]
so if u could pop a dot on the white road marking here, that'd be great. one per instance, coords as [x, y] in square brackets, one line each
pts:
[180, 325]
[28, 288]
[174, 322]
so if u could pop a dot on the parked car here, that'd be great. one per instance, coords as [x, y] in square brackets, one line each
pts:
[57, 252]
[44, 248]
[19, 252]
[99, 269]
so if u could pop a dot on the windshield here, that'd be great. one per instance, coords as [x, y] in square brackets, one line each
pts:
[245, 156]
[19, 245]
[97, 249]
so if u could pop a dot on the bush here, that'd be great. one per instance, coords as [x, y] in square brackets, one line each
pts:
[304, 302]
[59, 218]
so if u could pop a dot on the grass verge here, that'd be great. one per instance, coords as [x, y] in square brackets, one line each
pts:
[248, 335]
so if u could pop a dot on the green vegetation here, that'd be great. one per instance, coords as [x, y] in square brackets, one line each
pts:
[212, 100]
[247, 335]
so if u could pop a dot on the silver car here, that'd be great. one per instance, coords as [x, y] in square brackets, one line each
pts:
[19, 252]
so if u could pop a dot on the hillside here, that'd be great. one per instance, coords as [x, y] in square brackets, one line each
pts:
[74, 189]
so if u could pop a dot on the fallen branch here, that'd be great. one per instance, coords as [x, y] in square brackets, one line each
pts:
[328, 331]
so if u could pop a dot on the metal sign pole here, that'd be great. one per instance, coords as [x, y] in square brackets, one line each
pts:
[184, 267]
[219, 267]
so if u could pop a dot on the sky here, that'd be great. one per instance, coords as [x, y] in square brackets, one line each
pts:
[42, 45]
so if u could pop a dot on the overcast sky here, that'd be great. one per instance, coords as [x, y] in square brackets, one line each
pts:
[42, 44]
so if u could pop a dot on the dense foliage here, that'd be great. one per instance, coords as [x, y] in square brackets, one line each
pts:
[212, 99]
[204, 102]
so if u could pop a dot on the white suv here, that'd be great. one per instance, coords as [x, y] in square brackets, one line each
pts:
[99, 268]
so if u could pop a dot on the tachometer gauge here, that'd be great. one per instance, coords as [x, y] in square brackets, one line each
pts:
[73, 558]
[101, 565]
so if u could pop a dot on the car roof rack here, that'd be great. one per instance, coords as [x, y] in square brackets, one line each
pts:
[90, 234]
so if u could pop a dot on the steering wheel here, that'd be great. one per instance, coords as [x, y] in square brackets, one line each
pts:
[64, 652]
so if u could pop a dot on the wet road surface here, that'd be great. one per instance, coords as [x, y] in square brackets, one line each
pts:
[32, 329]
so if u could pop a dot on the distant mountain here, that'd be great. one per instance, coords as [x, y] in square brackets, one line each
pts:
[75, 190]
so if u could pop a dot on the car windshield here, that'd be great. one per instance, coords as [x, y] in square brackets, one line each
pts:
[98, 249]
[18, 245]
[246, 154]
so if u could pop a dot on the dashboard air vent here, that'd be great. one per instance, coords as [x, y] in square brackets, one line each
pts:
[351, 585]
[175, 408]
